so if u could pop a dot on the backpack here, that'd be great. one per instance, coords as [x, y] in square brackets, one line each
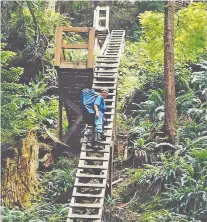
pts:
[88, 99]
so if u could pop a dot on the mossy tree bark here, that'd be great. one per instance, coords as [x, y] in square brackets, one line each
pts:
[20, 176]
[169, 77]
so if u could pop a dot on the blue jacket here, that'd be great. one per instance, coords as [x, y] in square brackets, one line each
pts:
[100, 102]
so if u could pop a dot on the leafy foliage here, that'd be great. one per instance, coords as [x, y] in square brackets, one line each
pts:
[188, 47]
[23, 107]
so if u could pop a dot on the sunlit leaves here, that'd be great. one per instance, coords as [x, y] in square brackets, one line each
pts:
[190, 36]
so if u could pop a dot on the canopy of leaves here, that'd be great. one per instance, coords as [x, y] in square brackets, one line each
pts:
[190, 36]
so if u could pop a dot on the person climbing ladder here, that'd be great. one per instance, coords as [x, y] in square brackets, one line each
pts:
[94, 107]
[100, 109]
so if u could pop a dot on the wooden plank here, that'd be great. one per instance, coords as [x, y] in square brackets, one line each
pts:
[102, 142]
[105, 56]
[104, 82]
[102, 18]
[76, 29]
[91, 42]
[107, 61]
[84, 216]
[73, 65]
[107, 66]
[94, 158]
[92, 167]
[91, 176]
[58, 45]
[97, 185]
[106, 71]
[88, 195]
[95, 150]
[70, 104]
[74, 46]
[85, 205]
[72, 129]
[60, 117]
[103, 48]
[100, 87]
[111, 169]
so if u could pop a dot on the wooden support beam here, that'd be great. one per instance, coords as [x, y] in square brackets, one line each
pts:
[111, 169]
[73, 128]
[73, 65]
[58, 45]
[74, 46]
[70, 104]
[60, 122]
[91, 42]
[76, 29]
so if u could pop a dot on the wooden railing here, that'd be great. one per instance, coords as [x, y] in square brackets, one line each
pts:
[101, 22]
[60, 47]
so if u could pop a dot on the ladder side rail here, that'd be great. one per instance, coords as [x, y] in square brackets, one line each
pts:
[106, 66]
[105, 44]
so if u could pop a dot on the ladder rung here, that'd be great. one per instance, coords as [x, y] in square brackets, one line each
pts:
[88, 195]
[106, 71]
[112, 53]
[84, 216]
[107, 127]
[91, 176]
[95, 150]
[94, 158]
[102, 18]
[105, 56]
[98, 185]
[109, 113]
[93, 166]
[107, 61]
[113, 45]
[100, 87]
[104, 82]
[102, 77]
[106, 66]
[109, 100]
[102, 142]
[86, 205]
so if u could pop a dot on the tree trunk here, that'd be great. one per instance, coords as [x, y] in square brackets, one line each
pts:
[169, 84]
[20, 184]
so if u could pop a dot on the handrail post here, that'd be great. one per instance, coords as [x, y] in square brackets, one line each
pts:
[59, 32]
[91, 47]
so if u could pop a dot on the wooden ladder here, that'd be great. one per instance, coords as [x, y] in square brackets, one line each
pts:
[91, 177]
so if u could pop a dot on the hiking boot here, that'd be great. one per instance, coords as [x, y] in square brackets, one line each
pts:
[96, 146]
[88, 132]
[88, 145]
[91, 137]
[98, 137]
[101, 147]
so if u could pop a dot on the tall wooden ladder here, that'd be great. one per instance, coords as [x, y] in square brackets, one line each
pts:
[91, 177]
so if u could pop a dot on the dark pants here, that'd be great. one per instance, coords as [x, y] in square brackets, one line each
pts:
[88, 118]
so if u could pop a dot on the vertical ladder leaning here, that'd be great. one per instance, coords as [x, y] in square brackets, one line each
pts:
[91, 177]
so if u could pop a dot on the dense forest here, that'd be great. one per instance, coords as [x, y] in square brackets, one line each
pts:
[161, 176]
